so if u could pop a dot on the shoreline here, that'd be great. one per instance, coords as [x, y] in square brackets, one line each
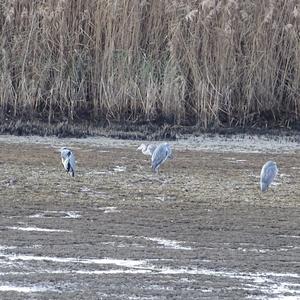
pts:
[238, 143]
[132, 131]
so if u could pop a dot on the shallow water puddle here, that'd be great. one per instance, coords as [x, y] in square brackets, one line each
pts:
[72, 215]
[280, 297]
[128, 263]
[270, 283]
[107, 272]
[146, 265]
[36, 229]
[119, 169]
[283, 249]
[54, 214]
[265, 282]
[168, 244]
[25, 289]
[7, 247]
[109, 209]
[238, 161]
[290, 236]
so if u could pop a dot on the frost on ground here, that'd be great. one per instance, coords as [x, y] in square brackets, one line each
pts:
[205, 142]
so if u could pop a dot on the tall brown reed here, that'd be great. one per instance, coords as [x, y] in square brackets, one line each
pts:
[208, 62]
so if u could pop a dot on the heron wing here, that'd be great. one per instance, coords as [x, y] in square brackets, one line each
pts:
[151, 148]
[159, 155]
[72, 161]
[64, 153]
[169, 151]
[268, 174]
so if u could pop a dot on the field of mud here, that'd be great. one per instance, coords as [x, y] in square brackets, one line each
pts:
[200, 229]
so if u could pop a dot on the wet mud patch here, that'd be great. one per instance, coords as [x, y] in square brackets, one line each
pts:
[201, 229]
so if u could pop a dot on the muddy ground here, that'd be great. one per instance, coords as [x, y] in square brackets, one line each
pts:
[199, 230]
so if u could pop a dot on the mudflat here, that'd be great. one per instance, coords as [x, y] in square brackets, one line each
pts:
[201, 229]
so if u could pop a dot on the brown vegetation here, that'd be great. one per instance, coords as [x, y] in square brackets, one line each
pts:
[184, 62]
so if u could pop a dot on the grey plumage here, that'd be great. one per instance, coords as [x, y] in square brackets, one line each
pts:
[68, 160]
[268, 173]
[160, 155]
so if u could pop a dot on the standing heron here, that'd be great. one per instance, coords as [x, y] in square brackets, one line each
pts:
[68, 160]
[268, 173]
[160, 155]
[147, 149]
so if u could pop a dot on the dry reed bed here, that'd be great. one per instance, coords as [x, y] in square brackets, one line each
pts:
[181, 61]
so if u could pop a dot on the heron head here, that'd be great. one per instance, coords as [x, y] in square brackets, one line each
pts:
[62, 149]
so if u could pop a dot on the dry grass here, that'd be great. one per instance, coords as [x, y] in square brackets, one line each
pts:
[207, 62]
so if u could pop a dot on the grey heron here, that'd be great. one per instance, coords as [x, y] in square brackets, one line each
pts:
[160, 155]
[268, 173]
[68, 160]
[147, 149]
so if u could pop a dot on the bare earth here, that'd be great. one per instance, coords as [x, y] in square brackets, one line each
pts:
[199, 230]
